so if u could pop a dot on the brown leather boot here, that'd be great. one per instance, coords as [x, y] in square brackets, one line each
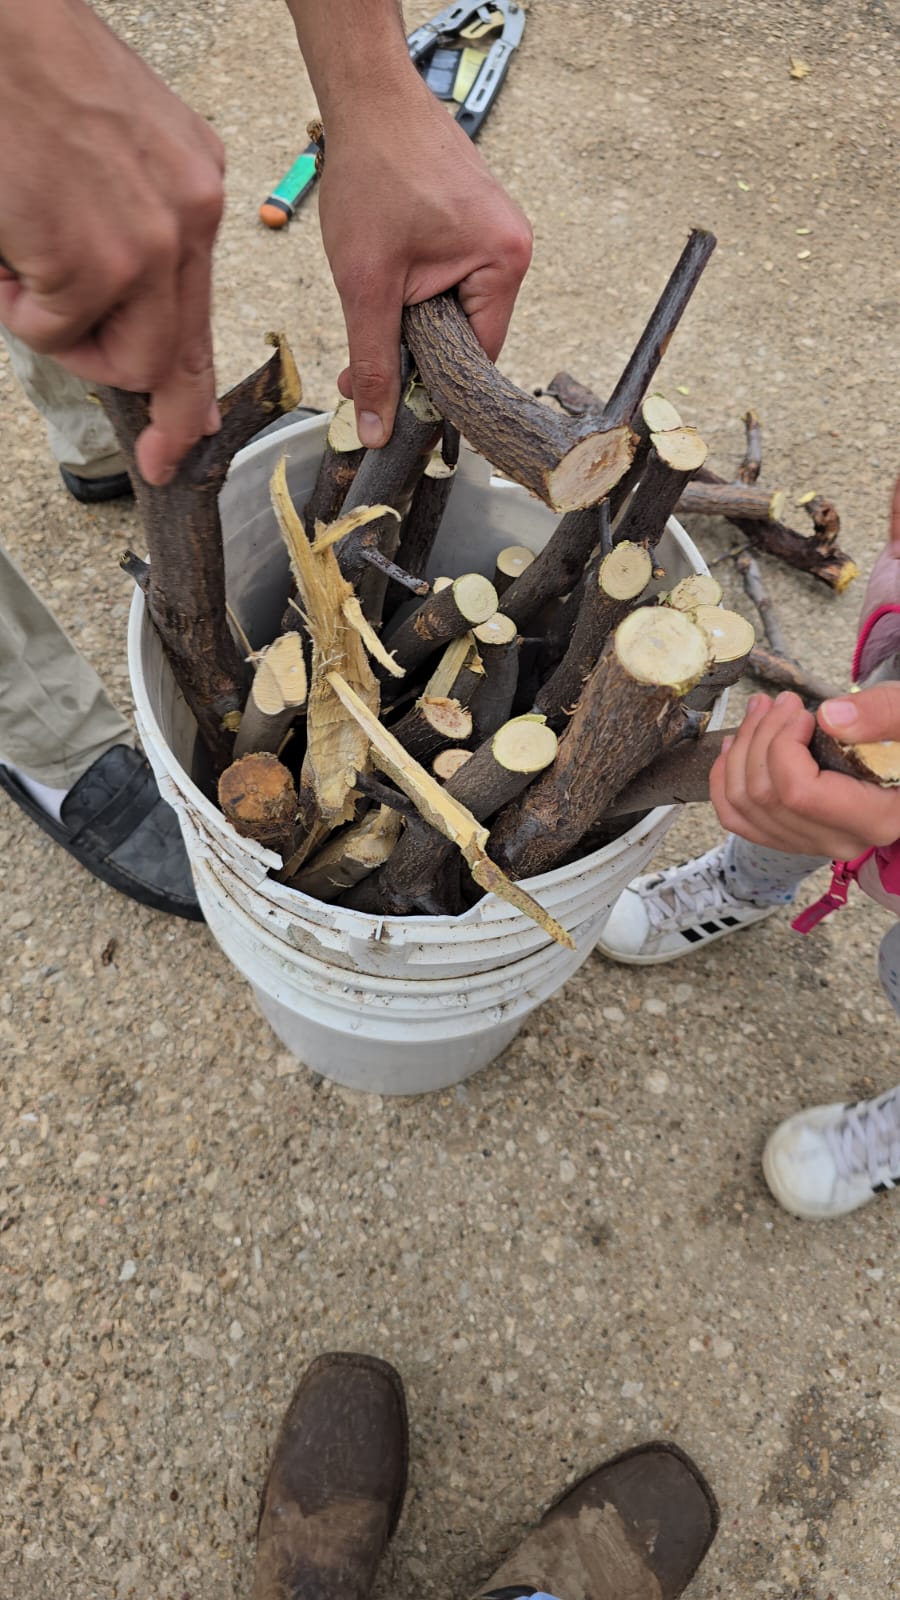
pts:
[336, 1481]
[636, 1529]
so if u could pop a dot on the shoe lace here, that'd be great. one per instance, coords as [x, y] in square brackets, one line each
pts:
[687, 898]
[866, 1142]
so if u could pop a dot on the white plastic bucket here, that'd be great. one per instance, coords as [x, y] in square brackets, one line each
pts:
[393, 1005]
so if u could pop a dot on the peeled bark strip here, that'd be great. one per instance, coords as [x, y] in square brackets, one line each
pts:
[566, 464]
[672, 460]
[459, 671]
[731, 639]
[499, 770]
[733, 500]
[509, 564]
[430, 724]
[756, 592]
[444, 813]
[350, 857]
[423, 519]
[443, 616]
[183, 533]
[277, 693]
[783, 673]
[556, 569]
[341, 460]
[610, 593]
[258, 798]
[629, 709]
[494, 694]
[448, 762]
[654, 341]
[699, 589]
[817, 554]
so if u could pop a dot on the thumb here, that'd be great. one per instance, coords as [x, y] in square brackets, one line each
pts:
[373, 337]
[865, 717]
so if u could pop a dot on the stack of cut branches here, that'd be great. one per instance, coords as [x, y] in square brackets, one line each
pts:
[403, 744]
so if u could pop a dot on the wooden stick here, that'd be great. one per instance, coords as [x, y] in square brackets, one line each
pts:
[629, 709]
[494, 692]
[431, 723]
[384, 794]
[350, 856]
[186, 589]
[731, 639]
[341, 460]
[753, 584]
[672, 460]
[277, 693]
[499, 770]
[733, 500]
[510, 562]
[566, 464]
[423, 519]
[751, 462]
[443, 616]
[391, 570]
[258, 797]
[654, 341]
[555, 569]
[783, 673]
[817, 555]
[611, 590]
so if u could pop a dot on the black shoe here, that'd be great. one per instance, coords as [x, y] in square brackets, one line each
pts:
[116, 823]
[90, 491]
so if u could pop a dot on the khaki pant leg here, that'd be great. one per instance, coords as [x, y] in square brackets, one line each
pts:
[55, 716]
[78, 430]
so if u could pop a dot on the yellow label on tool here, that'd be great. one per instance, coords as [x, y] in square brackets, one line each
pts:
[470, 64]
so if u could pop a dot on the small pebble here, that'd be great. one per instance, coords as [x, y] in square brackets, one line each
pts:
[128, 1271]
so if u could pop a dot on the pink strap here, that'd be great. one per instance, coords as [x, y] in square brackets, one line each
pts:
[843, 874]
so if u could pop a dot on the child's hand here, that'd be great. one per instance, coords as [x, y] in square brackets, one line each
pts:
[766, 786]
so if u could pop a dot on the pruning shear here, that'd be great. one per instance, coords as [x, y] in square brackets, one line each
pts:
[466, 77]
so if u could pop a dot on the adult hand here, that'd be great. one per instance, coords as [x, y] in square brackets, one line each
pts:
[766, 786]
[408, 208]
[111, 194]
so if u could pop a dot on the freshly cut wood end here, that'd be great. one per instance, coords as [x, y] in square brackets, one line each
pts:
[513, 560]
[700, 589]
[475, 596]
[680, 448]
[662, 647]
[590, 469]
[446, 717]
[446, 762]
[845, 577]
[257, 788]
[342, 434]
[441, 583]
[659, 415]
[626, 571]
[437, 467]
[420, 403]
[882, 759]
[291, 386]
[730, 635]
[777, 505]
[280, 680]
[524, 744]
[498, 629]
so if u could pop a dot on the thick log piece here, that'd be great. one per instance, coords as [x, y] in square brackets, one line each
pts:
[610, 593]
[498, 771]
[756, 591]
[731, 639]
[186, 588]
[817, 554]
[732, 500]
[350, 856]
[493, 694]
[277, 693]
[423, 519]
[556, 569]
[629, 710]
[672, 460]
[445, 615]
[783, 673]
[510, 562]
[341, 460]
[698, 589]
[431, 723]
[566, 464]
[258, 798]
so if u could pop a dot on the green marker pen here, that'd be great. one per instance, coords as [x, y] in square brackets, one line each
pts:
[283, 201]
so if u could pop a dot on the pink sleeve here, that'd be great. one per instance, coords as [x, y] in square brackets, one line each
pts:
[882, 589]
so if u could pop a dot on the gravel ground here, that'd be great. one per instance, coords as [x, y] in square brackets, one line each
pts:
[575, 1250]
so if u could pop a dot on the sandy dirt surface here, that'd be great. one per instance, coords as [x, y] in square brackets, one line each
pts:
[575, 1250]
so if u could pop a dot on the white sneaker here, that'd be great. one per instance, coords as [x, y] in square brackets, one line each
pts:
[833, 1159]
[671, 913]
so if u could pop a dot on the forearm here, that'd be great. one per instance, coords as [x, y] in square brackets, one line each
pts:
[355, 51]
